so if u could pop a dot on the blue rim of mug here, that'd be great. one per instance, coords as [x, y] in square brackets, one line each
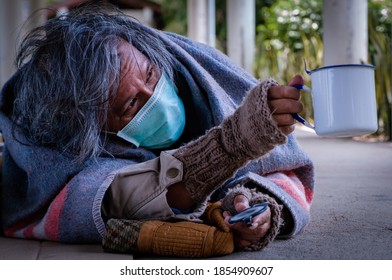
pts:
[340, 65]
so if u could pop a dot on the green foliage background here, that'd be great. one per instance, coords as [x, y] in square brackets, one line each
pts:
[380, 54]
[288, 32]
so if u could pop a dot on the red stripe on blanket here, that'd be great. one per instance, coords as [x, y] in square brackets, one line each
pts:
[290, 183]
[307, 191]
[29, 231]
[52, 217]
[13, 230]
[51, 221]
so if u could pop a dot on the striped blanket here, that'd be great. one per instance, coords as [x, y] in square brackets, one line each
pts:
[45, 195]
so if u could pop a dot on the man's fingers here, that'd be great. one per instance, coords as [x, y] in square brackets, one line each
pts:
[241, 243]
[240, 202]
[284, 119]
[288, 129]
[285, 92]
[285, 106]
[297, 80]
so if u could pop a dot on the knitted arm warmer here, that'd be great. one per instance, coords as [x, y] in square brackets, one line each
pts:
[216, 156]
[256, 197]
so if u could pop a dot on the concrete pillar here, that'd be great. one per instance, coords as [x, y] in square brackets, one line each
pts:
[11, 22]
[345, 24]
[201, 21]
[38, 14]
[13, 26]
[241, 32]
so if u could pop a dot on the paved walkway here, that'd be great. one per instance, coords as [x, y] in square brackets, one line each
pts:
[351, 213]
[352, 208]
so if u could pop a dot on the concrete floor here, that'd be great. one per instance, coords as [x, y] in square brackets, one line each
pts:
[352, 208]
[351, 212]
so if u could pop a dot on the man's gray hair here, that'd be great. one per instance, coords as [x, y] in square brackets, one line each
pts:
[69, 69]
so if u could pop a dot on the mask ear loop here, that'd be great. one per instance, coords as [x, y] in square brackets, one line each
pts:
[109, 132]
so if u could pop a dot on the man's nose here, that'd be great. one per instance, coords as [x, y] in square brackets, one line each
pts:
[145, 93]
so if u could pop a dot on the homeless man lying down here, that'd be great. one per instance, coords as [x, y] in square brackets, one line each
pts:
[122, 134]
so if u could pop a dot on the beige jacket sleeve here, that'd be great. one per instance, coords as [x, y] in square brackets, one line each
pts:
[138, 191]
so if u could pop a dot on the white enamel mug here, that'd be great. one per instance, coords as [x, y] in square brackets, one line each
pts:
[344, 100]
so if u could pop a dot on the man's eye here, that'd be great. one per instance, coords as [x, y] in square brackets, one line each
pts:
[131, 109]
[133, 102]
[149, 73]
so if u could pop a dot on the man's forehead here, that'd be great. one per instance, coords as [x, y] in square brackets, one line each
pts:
[126, 49]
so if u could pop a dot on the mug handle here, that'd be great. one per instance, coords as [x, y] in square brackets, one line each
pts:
[298, 117]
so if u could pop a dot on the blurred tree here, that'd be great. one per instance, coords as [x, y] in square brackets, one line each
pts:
[174, 15]
[380, 49]
[287, 33]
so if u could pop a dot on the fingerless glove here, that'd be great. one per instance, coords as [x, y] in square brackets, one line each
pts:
[249, 133]
[256, 197]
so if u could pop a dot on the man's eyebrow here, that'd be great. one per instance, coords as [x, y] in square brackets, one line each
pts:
[125, 103]
[149, 65]
[136, 61]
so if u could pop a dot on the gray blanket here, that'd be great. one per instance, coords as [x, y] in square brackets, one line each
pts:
[47, 196]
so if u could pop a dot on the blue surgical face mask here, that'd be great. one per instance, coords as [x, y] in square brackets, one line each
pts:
[160, 122]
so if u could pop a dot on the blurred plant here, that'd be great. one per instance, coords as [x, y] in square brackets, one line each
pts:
[287, 33]
[174, 15]
[380, 49]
